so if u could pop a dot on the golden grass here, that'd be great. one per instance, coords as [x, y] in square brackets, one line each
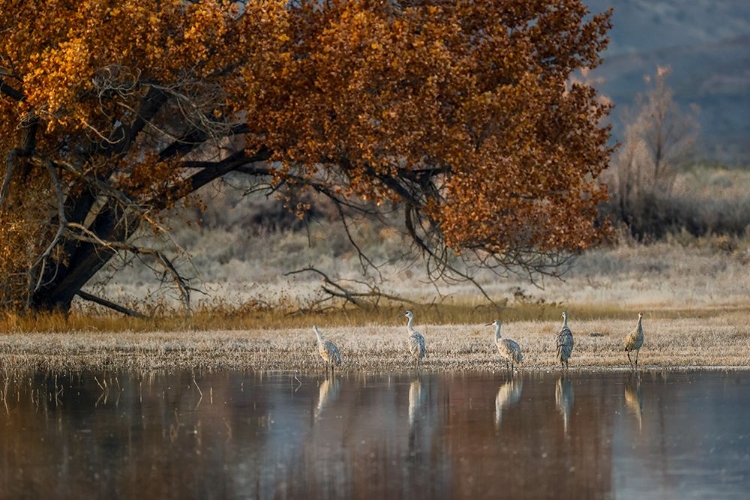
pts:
[682, 341]
[228, 318]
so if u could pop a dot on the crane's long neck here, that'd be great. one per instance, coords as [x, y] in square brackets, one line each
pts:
[410, 324]
[565, 321]
[320, 337]
[498, 330]
[640, 325]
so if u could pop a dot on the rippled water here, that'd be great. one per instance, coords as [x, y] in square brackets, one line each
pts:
[434, 435]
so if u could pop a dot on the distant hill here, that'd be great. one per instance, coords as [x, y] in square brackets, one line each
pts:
[707, 45]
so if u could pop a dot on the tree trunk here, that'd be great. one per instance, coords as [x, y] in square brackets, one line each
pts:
[61, 284]
[113, 225]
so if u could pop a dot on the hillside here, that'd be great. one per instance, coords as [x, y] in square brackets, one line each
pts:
[705, 43]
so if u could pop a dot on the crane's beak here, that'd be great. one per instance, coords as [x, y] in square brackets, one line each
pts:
[489, 324]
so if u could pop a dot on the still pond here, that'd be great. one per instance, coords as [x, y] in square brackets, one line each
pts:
[277, 435]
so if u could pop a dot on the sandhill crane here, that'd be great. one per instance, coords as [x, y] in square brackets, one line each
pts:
[507, 395]
[564, 342]
[634, 341]
[509, 349]
[416, 340]
[564, 400]
[328, 350]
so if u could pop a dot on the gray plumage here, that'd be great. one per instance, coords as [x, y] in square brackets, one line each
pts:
[509, 349]
[634, 341]
[417, 346]
[328, 350]
[564, 342]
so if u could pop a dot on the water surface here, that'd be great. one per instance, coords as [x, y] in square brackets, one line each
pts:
[432, 435]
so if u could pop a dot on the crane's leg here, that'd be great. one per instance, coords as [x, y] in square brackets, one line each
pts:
[637, 352]
[630, 360]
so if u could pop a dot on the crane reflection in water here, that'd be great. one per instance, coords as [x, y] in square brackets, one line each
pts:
[417, 398]
[508, 395]
[328, 392]
[564, 400]
[634, 398]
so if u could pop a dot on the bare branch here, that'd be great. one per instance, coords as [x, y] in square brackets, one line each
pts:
[341, 291]
[62, 223]
[110, 305]
[206, 175]
[169, 268]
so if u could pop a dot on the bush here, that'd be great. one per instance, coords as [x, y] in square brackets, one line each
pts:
[703, 201]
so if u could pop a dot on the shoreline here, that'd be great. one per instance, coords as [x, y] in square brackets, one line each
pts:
[682, 344]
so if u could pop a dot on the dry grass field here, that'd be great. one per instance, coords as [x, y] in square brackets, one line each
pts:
[709, 339]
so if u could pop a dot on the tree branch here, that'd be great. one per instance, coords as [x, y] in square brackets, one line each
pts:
[11, 92]
[208, 174]
[161, 258]
[194, 138]
[110, 305]
[62, 223]
[350, 295]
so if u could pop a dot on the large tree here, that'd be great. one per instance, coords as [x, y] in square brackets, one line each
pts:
[460, 114]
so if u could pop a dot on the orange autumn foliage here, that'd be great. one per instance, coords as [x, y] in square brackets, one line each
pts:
[461, 112]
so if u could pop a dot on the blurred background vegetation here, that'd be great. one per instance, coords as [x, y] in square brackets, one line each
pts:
[704, 42]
